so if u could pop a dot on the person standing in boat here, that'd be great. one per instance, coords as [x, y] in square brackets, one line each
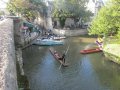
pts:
[64, 55]
[62, 58]
[99, 42]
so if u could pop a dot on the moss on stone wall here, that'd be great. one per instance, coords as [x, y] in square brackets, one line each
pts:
[23, 83]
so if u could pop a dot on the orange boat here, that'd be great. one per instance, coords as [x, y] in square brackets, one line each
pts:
[57, 56]
[90, 51]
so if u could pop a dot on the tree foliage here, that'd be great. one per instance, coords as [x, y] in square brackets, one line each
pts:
[39, 6]
[71, 8]
[75, 8]
[18, 6]
[107, 22]
[27, 8]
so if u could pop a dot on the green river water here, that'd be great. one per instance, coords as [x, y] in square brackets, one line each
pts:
[85, 72]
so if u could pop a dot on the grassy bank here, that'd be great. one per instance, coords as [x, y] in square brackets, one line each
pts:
[111, 49]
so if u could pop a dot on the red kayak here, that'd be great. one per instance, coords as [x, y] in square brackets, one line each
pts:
[57, 56]
[90, 51]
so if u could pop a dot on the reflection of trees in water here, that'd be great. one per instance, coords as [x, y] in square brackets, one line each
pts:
[34, 55]
[107, 71]
[91, 45]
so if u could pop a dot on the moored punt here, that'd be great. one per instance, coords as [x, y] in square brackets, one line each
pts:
[57, 56]
[90, 51]
[47, 42]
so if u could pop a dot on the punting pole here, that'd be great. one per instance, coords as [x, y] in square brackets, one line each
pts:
[65, 54]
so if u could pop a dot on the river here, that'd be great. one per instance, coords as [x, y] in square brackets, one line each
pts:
[85, 72]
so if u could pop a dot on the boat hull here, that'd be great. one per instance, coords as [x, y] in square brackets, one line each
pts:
[90, 51]
[57, 57]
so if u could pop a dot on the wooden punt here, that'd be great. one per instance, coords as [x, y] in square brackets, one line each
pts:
[57, 56]
[90, 51]
[47, 42]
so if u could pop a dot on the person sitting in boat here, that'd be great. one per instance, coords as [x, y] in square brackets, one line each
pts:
[62, 58]
[56, 54]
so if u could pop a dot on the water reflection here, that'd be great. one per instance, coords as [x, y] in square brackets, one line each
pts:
[85, 72]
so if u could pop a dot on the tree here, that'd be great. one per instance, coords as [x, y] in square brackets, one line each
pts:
[70, 8]
[39, 6]
[18, 6]
[26, 8]
[107, 22]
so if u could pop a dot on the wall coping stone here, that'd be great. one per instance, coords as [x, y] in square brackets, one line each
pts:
[8, 78]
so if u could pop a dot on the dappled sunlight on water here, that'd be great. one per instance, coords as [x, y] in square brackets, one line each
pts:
[85, 40]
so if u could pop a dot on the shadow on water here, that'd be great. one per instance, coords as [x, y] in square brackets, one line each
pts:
[85, 72]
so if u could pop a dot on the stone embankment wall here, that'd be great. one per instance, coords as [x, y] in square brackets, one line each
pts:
[8, 78]
[70, 32]
[112, 52]
[111, 49]
[22, 41]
